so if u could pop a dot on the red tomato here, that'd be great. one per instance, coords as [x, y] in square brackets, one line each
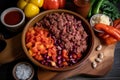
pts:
[51, 4]
[54, 4]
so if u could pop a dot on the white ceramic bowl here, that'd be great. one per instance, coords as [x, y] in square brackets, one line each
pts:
[23, 71]
[16, 26]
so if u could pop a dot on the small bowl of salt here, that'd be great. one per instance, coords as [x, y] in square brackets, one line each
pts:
[23, 71]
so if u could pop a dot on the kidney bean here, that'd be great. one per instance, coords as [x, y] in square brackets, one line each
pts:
[63, 59]
[59, 62]
[59, 57]
[71, 56]
[58, 52]
[73, 61]
[59, 48]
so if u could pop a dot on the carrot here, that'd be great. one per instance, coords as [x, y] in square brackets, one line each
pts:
[109, 30]
[107, 39]
[116, 22]
[110, 40]
[103, 35]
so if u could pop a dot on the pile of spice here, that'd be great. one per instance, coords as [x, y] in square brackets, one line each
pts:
[23, 71]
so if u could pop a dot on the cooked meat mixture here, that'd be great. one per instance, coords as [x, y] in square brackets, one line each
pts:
[67, 31]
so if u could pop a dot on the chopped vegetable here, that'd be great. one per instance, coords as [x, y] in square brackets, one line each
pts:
[91, 5]
[109, 30]
[40, 44]
[115, 1]
[107, 7]
[110, 10]
[107, 39]
[116, 23]
[96, 8]
[110, 39]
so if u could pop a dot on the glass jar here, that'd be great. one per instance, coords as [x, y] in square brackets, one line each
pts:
[82, 7]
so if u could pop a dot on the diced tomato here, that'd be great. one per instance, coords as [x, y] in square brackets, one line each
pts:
[79, 55]
[49, 54]
[39, 57]
[74, 56]
[53, 63]
[29, 45]
[38, 42]
[54, 57]
[30, 52]
[34, 49]
[49, 45]
[65, 63]
[65, 54]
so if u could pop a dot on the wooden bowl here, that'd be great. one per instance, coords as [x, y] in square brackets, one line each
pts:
[86, 27]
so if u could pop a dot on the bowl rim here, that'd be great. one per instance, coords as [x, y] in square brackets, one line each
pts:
[9, 10]
[14, 68]
[52, 68]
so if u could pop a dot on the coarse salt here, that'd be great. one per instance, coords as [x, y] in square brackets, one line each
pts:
[23, 71]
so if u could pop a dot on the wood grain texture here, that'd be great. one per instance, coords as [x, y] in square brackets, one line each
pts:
[12, 51]
[85, 68]
[5, 70]
[113, 73]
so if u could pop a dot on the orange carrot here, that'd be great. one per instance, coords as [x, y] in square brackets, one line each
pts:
[109, 29]
[110, 40]
[116, 22]
[107, 39]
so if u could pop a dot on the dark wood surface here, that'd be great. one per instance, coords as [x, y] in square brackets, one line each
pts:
[6, 69]
[85, 67]
[113, 74]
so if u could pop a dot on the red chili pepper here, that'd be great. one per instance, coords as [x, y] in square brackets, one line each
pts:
[109, 30]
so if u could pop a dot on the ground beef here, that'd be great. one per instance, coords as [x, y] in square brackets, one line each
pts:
[68, 31]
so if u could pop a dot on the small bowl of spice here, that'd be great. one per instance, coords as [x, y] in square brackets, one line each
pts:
[23, 71]
[13, 18]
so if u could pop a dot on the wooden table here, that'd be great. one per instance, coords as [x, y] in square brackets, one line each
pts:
[6, 69]
[114, 73]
